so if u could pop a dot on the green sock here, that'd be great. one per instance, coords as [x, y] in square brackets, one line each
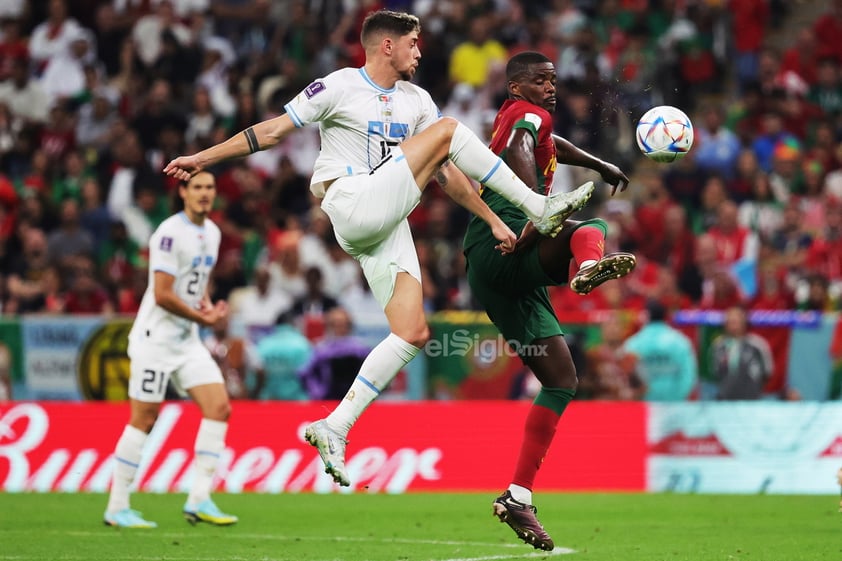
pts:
[555, 399]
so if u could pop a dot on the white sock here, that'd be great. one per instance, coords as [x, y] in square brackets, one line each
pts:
[210, 442]
[379, 367]
[475, 159]
[127, 458]
[587, 263]
[521, 494]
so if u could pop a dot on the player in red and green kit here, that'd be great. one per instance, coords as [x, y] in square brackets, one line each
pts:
[512, 287]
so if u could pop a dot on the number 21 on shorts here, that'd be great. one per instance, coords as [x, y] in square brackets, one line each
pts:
[153, 382]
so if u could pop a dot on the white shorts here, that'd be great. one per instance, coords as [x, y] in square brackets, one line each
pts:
[368, 213]
[152, 365]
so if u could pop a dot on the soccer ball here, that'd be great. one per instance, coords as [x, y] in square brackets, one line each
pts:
[664, 134]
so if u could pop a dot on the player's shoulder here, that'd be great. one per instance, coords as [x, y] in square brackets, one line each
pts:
[344, 79]
[519, 109]
[171, 224]
[338, 79]
[341, 76]
[412, 89]
[166, 234]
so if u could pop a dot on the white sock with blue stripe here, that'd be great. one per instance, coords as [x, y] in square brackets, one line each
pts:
[210, 443]
[126, 461]
[478, 162]
[378, 369]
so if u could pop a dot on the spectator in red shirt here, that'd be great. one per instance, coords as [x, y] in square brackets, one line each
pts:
[58, 137]
[825, 253]
[720, 292]
[801, 57]
[86, 295]
[12, 47]
[828, 30]
[649, 215]
[129, 297]
[749, 20]
[733, 242]
[678, 241]
[772, 292]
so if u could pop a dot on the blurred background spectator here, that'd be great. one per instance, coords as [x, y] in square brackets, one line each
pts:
[741, 361]
[336, 359]
[284, 352]
[666, 358]
[239, 361]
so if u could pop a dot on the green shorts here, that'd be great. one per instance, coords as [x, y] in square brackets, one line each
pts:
[513, 291]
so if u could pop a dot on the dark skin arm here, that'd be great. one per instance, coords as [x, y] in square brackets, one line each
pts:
[520, 155]
[568, 153]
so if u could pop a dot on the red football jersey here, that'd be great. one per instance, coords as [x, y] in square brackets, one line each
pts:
[519, 114]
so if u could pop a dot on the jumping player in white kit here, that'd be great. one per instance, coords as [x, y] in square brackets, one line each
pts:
[382, 141]
[164, 343]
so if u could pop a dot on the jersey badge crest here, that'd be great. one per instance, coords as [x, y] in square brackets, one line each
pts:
[166, 243]
[314, 88]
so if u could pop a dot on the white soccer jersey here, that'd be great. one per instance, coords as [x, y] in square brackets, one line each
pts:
[359, 121]
[188, 252]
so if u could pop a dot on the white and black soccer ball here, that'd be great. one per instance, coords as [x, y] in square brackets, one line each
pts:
[664, 134]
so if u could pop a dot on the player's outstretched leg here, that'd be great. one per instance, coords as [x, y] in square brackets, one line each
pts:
[560, 206]
[610, 266]
[331, 447]
[523, 519]
[478, 162]
[207, 511]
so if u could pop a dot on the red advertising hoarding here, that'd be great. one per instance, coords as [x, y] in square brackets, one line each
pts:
[395, 447]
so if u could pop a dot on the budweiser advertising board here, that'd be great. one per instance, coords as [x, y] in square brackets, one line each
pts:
[395, 447]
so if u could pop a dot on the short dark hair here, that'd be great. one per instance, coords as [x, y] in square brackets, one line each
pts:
[389, 22]
[657, 311]
[519, 64]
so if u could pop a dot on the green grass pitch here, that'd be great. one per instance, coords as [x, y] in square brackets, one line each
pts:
[421, 527]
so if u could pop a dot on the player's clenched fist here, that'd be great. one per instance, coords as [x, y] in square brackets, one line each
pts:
[183, 167]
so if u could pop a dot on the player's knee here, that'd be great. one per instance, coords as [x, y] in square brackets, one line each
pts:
[446, 126]
[144, 421]
[418, 336]
[567, 378]
[219, 411]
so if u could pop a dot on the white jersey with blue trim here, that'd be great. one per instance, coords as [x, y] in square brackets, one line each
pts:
[359, 121]
[188, 252]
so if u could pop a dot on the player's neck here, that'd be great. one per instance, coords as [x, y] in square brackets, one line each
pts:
[196, 218]
[382, 74]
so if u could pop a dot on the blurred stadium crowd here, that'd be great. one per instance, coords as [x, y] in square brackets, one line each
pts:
[96, 96]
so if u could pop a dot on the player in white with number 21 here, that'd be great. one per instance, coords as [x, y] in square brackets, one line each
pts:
[382, 141]
[164, 342]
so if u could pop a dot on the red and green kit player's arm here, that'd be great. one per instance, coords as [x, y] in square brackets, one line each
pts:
[523, 138]
[570, 154]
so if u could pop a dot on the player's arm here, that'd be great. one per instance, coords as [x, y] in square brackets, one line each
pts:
[459, 188]
[568, 153]
[166, 297]
[258, 137]
[520, 155]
